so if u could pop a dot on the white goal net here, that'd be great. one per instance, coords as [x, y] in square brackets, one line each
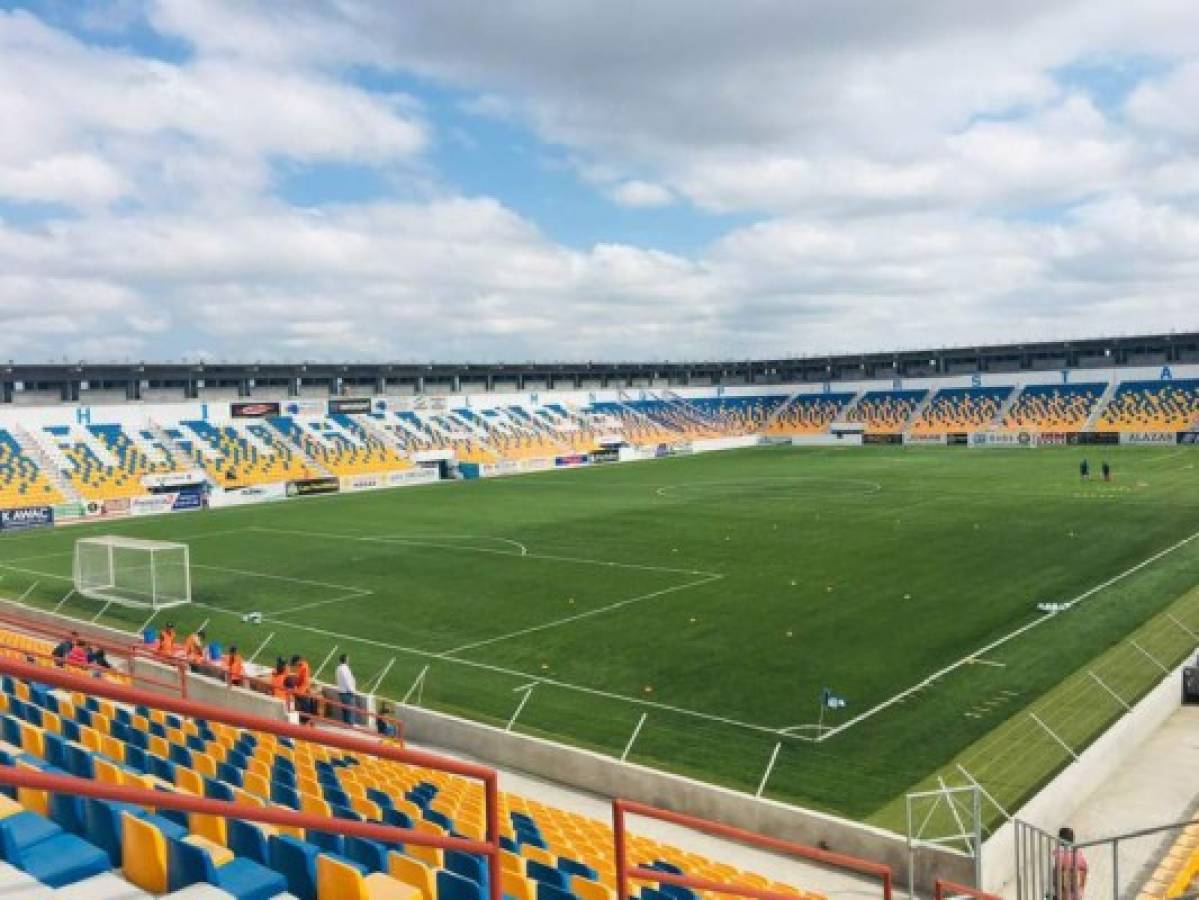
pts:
[132, 572]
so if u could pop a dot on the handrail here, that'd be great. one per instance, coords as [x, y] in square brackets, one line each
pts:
[129, 652]
[625, 872]
[96, 671]
[337, 739]
[943, 890]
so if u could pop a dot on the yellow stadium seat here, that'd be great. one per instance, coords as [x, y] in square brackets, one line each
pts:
[144, 852]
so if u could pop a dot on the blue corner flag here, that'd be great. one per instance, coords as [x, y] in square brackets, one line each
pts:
[831, 700]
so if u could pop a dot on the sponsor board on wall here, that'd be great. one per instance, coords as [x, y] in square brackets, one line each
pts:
[1094, 437]
[1148, 437]
[301, 407]
[1002, 439]
[26, 517]
[1053, 438]
[1189, 437]
[167, 501]
[607, 455]
[570, 460]
[926, 439]
[254, 409]
[253, 493]
[304, 487]
[881, 438]
[415, 475]
[67, 511]
[683, 448]
[174, 479]
[349, 406]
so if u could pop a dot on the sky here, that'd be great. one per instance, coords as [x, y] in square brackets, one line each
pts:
[515, 180]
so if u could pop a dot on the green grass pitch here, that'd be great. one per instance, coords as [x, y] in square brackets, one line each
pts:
[718, 594]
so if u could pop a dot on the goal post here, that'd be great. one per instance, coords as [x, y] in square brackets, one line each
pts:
[132, 572]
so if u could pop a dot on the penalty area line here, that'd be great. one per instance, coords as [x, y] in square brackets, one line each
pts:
[566, 620]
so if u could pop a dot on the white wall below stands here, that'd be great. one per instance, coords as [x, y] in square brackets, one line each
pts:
[827, 440]
[610, 777]
[1055, 803]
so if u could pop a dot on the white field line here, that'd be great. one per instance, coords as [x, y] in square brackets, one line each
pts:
[515, 673]
[40, 574]
[551, 557]
[566, 620]
[524, 551]
[340, 598]
[666, 489]
[288, 578]
[982, 651]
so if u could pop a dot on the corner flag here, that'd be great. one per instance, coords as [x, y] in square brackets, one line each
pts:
[831, 700]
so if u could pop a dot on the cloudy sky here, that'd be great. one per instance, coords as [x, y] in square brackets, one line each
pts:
[591, 179]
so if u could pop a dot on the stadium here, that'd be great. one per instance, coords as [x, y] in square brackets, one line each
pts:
[405, 493]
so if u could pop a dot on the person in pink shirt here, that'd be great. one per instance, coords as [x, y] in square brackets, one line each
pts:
[1069, 868]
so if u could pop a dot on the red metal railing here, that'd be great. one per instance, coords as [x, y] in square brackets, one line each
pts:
[119, 650]
[943, 890]
[625, 871]
[341, 740]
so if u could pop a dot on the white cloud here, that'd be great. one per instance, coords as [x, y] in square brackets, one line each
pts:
[641, 194]
[918, 175]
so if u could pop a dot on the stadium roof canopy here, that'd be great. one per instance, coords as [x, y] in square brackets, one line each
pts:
[75, 382]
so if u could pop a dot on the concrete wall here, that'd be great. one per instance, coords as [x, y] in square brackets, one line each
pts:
[1056, 803]
[609, 777]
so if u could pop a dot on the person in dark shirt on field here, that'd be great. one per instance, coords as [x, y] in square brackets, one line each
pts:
[1107, 471]
[1084, 469]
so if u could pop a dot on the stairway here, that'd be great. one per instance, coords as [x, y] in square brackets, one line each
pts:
[919, 410]
[50, 462]
[1006, 406]
[1101, 405]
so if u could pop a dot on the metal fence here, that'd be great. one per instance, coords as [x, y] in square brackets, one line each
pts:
[1153, 862]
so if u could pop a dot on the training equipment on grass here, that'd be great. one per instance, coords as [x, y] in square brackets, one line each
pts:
[132, 572]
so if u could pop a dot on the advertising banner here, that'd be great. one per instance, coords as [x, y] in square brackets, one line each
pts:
[418, 475]
[1053, 438]
[349, 406]
[607, 455]
[165, 502]
[1148, 437]
[570, 460]
[876, 438]
[682, 448]
[106, 508]
[1189, 437]
[254, 409]
[254, 493]
[1003, 439]
[305, 408]
[925, 439]
[174, 479]
[26, 517]
[304, 487]
[67, 511]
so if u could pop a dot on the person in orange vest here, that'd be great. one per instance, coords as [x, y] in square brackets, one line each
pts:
[279, 681]
[193, 649]
[235, 669]
[166, 640]
[302, 673]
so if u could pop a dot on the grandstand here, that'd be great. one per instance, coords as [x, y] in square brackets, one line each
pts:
[886, 412]
[961, 410]
[1057, 407]
[1153, 406]
[103, 846]
[808, 414]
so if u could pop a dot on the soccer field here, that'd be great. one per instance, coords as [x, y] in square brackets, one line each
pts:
[719, 594]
